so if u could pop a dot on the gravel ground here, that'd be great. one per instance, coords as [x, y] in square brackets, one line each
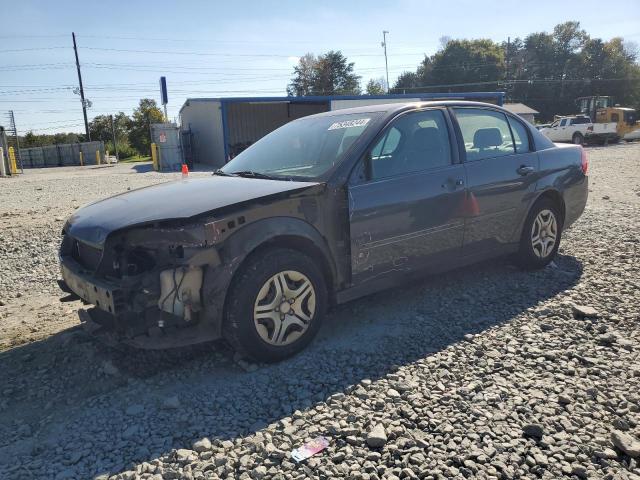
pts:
[487, 372]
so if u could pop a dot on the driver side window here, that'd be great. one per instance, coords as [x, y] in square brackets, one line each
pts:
[415, 142]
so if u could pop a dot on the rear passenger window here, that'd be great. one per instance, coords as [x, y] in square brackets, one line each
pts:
[485, 133]
[520, 137]
[415, 142]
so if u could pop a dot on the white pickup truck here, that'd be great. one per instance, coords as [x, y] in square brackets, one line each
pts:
[579, 129]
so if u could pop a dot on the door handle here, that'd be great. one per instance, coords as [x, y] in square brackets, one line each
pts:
[452, 183]
[525, 170]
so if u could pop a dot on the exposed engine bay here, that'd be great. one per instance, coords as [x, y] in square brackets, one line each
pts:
[144, 281]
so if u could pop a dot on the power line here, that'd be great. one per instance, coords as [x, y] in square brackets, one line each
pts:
[30, 49]
[232, 55]
[34, 36]
[54, 128]
[59, 121]
[530, 82]
[34, 90]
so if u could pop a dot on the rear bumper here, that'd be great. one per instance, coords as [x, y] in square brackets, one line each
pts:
[595, 137]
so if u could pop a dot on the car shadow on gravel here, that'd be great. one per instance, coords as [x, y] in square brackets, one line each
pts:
[83, 407]
[143, 167]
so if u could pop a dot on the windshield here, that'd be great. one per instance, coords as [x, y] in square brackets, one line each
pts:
[306, 148]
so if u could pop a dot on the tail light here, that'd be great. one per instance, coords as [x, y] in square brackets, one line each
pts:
[584, 161]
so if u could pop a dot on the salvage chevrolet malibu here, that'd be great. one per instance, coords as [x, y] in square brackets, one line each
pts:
[325, 209]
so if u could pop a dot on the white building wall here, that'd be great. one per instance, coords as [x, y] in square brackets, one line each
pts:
[340, 104]
[528, 117]
[204, 118]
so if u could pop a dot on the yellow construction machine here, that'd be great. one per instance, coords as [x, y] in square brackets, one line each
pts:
[601, 109]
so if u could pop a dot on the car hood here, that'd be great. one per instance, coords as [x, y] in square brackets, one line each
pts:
[176, 200]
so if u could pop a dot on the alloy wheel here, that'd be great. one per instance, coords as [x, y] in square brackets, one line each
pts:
[544, 233]
[284, 308]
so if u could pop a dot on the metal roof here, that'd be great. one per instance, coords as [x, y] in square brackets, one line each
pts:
[519, 108]
[499, 96]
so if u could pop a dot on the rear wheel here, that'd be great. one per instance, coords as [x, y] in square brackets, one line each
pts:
[275, 305]
[577, 139]
[541, 235]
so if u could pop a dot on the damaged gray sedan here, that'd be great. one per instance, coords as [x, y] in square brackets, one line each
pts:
[323, 210]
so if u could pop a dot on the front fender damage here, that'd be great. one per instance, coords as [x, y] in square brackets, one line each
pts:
[157, 274]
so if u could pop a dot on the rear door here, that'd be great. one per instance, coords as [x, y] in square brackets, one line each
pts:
[501, 171]
[405, 198]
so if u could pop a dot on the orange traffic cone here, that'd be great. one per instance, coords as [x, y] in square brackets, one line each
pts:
[185, 170]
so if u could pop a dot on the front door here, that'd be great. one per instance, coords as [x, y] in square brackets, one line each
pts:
[556, 131]
[405, 199]
[501, 176]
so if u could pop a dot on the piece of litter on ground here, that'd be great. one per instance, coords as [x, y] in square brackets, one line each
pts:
[310, 448]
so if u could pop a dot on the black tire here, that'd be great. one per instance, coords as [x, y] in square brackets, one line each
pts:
[528, 256]
[239, 327]
[577, 139]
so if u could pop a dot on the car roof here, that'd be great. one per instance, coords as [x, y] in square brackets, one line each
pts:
[396, 107]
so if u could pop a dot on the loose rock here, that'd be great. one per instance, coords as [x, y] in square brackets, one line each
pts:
[627, 443]
[377, 437]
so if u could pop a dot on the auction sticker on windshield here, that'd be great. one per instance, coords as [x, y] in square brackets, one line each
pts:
[360, 122]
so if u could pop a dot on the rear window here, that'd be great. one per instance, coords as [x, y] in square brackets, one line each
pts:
[520, 136]
[580, 120]
[486, 133]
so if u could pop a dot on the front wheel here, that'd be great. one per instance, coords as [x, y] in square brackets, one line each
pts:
[577, 139]
[540, 236]
[275, 305]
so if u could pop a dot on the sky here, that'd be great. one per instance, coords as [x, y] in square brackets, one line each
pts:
[241, 47]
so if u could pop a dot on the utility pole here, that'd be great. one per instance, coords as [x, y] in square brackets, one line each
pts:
[113, 133]
[508, 61]
[84, 103]
[386, 63]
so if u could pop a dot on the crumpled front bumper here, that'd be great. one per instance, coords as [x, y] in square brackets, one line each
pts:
[105, 295]
[122, 314]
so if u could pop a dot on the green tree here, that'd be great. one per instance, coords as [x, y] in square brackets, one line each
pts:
[557, 68]
[547, 71]
[328, 74]
[139, 132]
[457, 62]
[465, 61]
[407, 81]
[100, 128]
[376, 86]
[304, 75]
[31, 139]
